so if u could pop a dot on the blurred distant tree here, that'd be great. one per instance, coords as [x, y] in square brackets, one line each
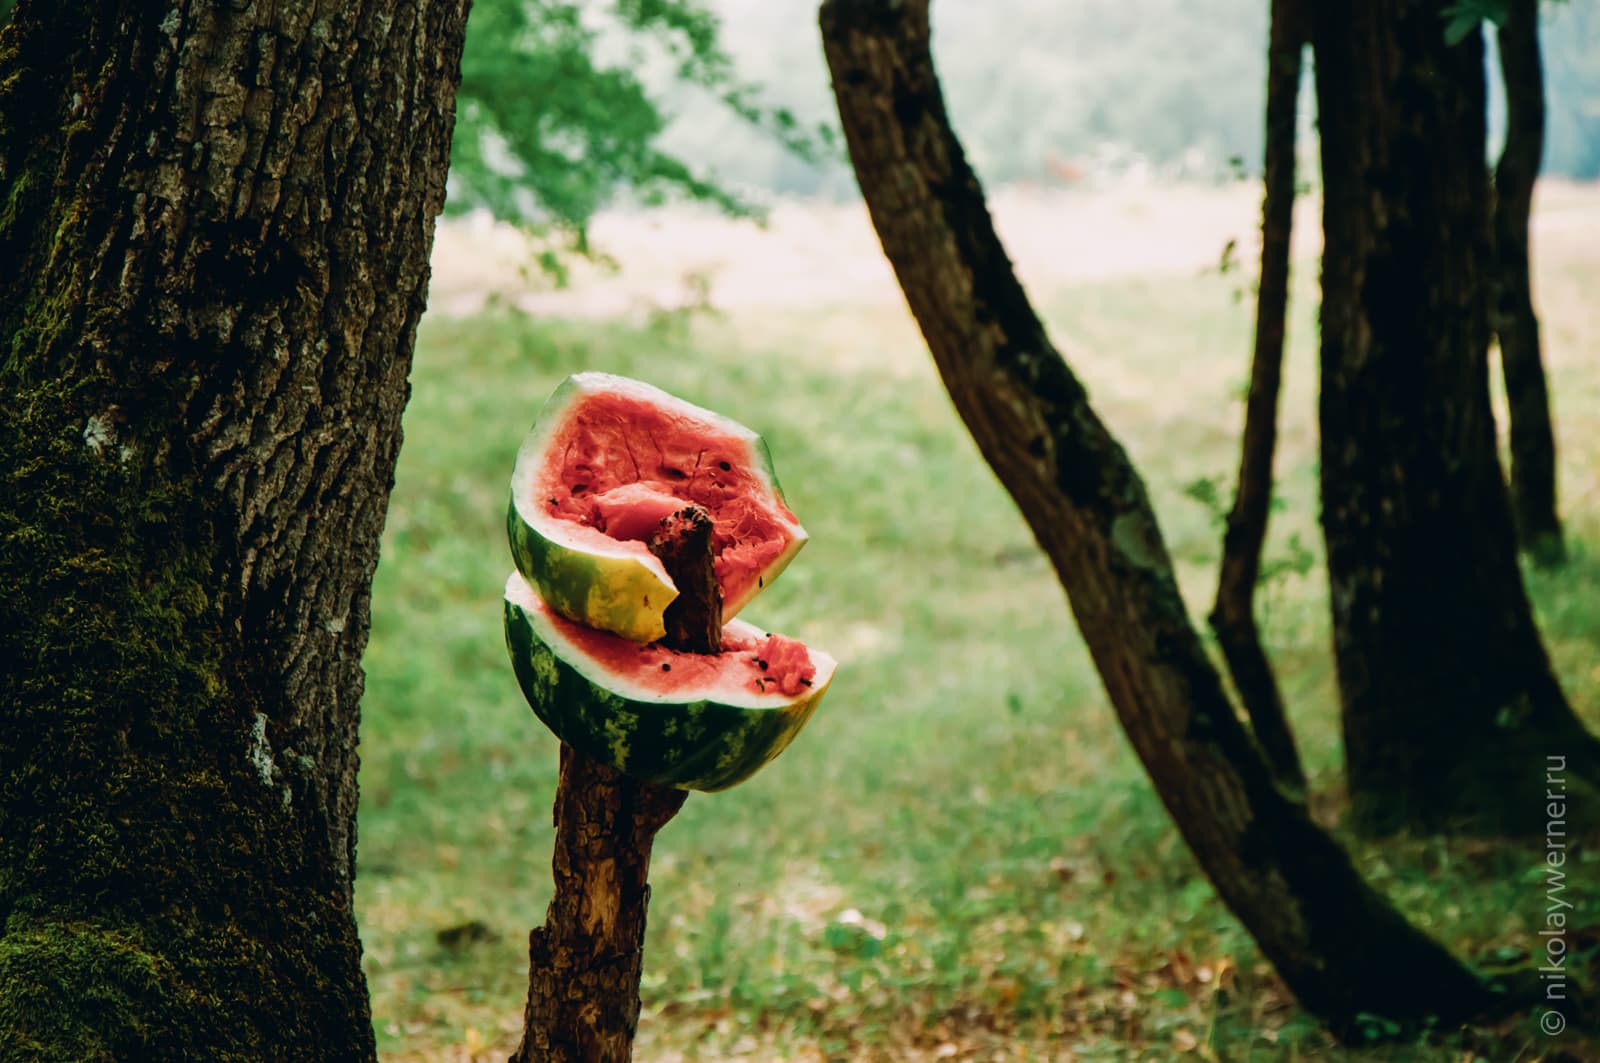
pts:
[1516, 323]
[215, 223]
[1449, 704]
[556, 117]
[1346, 953]
[1158, 87]
[1572, 83]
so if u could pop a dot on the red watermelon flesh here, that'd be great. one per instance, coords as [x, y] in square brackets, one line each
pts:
[773, 664]
[695, 721]
[625, 463]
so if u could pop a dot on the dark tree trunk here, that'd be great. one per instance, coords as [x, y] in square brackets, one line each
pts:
[586, 960]
[1233, 618]
[1338, 944]
[1533, 441]
[1449, 704]
[215, 222]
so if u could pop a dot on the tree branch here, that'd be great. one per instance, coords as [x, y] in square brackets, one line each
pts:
[1533, 445]
[1233, 616]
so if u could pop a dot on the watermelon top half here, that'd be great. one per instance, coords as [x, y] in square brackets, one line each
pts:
[608, 457]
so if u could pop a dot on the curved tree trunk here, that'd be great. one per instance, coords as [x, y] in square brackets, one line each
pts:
[1533, 441]
[1449, 704]
[1344, 951]
[1233, 617]
[215, 222]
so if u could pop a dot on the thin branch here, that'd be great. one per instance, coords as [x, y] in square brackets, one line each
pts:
[1533, 446]
[1233, 617]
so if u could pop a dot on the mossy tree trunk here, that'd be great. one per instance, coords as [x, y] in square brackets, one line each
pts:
[1449, 704]
[1533, 439]
[215, 222]
[1343, 950]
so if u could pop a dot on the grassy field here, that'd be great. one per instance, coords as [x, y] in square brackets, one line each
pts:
[960, 858]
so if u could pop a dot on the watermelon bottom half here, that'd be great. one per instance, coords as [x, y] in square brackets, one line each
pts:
[693, 721]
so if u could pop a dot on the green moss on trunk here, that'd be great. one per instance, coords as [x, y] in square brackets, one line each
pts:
[160, 898]
[208, 294]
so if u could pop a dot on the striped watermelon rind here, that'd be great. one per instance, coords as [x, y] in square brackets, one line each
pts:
[586, 576]
[714, 738]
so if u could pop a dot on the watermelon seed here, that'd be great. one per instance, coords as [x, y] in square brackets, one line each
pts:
[666, 667]
[805, 682]
[579, 489]
[724, 466]
[676, 474]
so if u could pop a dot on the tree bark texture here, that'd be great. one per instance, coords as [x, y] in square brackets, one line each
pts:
[215, 222]
[1533, 441]
[586, 960]
[1449, 704]
[684, 546]
[1233, 617]
[1339, 945]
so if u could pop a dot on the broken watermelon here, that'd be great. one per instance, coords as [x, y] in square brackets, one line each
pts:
[694, 721]
[606, 459]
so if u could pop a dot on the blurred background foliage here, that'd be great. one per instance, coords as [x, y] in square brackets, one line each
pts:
[561, 110]
[568, 105]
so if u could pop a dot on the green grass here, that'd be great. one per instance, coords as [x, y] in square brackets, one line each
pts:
[964, 788]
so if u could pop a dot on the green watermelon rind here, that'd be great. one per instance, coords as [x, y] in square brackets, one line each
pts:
[704, 744]
[615, 586]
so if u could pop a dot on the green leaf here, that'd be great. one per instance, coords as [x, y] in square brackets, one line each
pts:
[1465, 16]
[554, 120]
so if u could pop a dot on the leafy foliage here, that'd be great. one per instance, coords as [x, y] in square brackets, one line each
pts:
[1464, 16]
[555, 116]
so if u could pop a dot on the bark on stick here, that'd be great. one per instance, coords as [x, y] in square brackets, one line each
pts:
[694, 619]
[585, 961]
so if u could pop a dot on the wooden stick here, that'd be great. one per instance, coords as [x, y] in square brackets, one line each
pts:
[684, 545]
[585, 961]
